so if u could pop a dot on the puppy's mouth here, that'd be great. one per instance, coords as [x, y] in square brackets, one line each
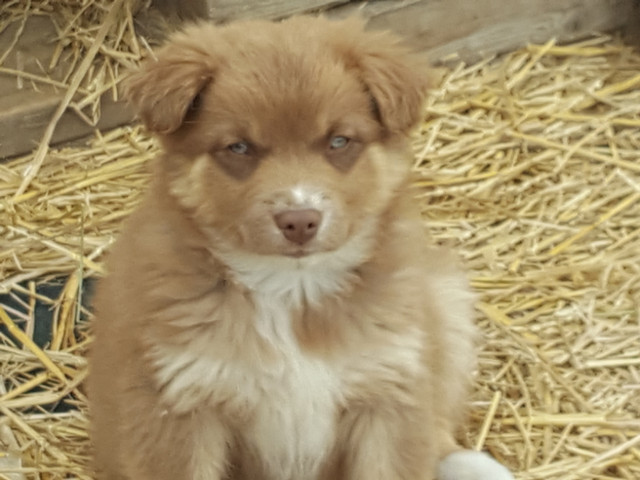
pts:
[302, 251]
[298, 253]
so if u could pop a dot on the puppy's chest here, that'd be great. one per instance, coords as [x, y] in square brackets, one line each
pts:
[292, 428]
[283, 409]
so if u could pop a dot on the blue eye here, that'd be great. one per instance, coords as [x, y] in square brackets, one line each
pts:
[338, 142]
[239, 148]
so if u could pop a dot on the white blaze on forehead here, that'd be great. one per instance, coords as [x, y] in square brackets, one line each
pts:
[305, 196]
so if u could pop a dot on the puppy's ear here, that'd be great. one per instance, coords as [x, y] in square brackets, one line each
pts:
[395, 78]
[165, 88]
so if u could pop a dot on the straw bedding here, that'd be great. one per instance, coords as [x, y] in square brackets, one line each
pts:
[526, 164]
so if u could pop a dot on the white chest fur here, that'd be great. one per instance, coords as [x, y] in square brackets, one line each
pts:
[293, 428]
[290, 403]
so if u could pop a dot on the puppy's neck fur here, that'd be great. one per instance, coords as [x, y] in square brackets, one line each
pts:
[301, 281]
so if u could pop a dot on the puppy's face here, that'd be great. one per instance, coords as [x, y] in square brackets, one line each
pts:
[282, 139]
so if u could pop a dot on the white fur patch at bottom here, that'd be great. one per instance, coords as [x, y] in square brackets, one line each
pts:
[470, 465]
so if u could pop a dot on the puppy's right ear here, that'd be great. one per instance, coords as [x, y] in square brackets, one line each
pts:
[164, 89]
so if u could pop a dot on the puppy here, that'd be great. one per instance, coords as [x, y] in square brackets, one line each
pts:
[273, 310]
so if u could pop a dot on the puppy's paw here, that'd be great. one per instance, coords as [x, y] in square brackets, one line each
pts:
[470, 465]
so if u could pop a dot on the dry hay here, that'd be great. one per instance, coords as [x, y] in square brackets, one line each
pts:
[95, 43]
[529, 166]
[526, 164]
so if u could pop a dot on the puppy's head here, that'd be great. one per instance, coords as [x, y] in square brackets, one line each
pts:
[285, 139]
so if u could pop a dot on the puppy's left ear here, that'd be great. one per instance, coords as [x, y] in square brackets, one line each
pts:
[396, 79]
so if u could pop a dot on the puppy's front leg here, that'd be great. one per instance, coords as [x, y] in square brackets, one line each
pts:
[388, 445]
[188, 446]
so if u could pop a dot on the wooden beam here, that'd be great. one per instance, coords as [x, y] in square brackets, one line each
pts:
[470, 30]
[227, 10]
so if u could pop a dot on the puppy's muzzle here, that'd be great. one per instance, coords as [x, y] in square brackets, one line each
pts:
[299, 226]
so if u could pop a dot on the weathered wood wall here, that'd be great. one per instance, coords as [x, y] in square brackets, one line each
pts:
[225, 10]
[443, 29]
[476, 28]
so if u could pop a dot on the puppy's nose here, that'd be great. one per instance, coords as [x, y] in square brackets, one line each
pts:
[298, 226]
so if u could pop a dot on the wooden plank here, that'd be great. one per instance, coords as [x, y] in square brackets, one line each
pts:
[471, 30]
[25, 115]
[226, 10]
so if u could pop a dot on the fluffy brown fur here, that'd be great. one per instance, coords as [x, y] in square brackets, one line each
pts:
[223, 349]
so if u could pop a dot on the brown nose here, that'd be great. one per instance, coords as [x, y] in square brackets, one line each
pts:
[298, 226]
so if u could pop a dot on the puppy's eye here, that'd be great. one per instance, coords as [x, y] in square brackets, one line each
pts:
[338, 142]
[239, 148]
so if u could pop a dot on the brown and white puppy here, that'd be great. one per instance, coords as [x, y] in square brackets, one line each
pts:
[273, 310]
